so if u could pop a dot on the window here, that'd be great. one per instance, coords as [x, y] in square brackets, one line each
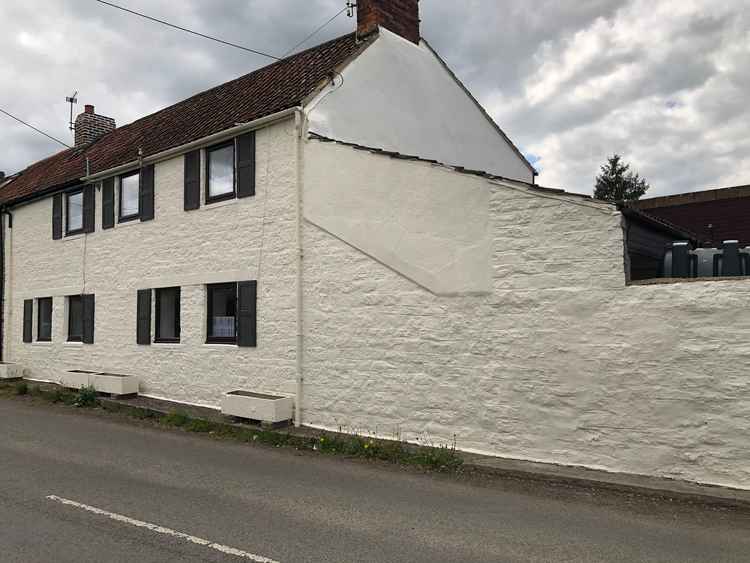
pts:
[222, 313]
[44, 319]
[220, 172]
[168, 314]
[75, 318]
[74, 212]
[129, 197]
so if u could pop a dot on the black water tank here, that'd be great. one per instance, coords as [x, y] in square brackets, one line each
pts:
[730, 262]
[679, 261]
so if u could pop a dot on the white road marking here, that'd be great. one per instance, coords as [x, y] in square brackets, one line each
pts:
[162, 530]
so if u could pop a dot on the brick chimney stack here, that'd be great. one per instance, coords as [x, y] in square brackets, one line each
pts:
[89, 126]
[399, 16]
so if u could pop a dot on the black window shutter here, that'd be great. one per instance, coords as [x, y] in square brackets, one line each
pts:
[146, 192]
[57, 216]
[108, 203]
[247, 294]
[143, 330]
[192, 180]
[246, 165]
[88, 305]
[89, 209]
[28, 312]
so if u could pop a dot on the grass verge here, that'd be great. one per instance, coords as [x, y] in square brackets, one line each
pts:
[441, 458]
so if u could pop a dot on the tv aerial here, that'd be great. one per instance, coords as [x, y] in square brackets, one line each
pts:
[72, 100]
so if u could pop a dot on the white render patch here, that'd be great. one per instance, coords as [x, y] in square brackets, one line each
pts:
[398, 96]
[426, 222]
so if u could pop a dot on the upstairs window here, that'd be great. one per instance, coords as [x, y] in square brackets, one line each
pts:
[129, 197]
[168, 314]
[44, 319]
[220, 172]
[75, 318]
[74, 212]
[222, 313]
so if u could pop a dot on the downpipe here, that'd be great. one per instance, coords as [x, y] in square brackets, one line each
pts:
[299, 125]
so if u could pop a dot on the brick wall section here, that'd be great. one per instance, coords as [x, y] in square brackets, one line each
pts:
[399, 16]
[714, 221]
[89, 126]
[562, 362]
[250, 238]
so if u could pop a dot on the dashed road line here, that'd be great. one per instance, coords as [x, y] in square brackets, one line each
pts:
[162, 530]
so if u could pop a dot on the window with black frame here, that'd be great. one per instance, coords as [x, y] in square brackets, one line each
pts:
[220, 184]
[44, 319]
[222, 313]
[75, 318]
[74, 212]
[168, 314]
[129, 203]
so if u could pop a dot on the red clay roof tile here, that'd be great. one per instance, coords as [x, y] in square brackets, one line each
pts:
[279, 86]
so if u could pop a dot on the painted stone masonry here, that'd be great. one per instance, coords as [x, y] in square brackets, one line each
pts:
[235, 240]
[560, 362]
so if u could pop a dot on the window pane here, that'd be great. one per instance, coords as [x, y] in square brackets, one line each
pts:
[222, 307]
[221, 171]
[75, 318]
[129, 196]
[44, 321]
[168, 314]
[75, 212]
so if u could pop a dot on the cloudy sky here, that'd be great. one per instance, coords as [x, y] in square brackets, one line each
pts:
[663, 82]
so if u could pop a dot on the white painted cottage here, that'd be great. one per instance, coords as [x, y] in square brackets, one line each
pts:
[320, 229]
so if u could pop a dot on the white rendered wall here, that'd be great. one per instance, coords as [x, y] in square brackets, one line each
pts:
[562, 362]
[433, 230]
[243, 239]
[399, 97]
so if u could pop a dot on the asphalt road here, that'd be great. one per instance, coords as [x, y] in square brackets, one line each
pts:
[134, 489]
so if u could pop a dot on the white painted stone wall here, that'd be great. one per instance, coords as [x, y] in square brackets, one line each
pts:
[242, 239]
[399, 96]
[563, 362]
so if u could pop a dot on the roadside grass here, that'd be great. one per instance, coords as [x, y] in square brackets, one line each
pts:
[434, 458]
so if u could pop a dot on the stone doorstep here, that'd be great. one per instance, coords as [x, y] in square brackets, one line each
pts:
[573, 476]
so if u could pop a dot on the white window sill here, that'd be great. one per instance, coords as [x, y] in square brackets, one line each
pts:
[71, 238]
[73, 345]
[167, 345]
[130, 223]
[224, 203]
[42, 343]
[220, 346]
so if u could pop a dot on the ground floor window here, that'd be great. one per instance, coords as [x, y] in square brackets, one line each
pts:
[75, 318]
[222, 313]
[44, 319]
[168, 314]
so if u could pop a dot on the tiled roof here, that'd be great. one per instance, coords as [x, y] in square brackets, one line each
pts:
[274, 88]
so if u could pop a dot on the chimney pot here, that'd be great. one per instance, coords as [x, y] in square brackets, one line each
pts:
[399, 16]
[89, 126]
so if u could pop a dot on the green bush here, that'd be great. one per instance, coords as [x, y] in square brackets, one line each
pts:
[86, 397]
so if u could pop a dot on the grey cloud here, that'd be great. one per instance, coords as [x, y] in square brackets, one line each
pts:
[129, 67]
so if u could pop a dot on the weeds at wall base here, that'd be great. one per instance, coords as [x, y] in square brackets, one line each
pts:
[433, 458]
[441, 458]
